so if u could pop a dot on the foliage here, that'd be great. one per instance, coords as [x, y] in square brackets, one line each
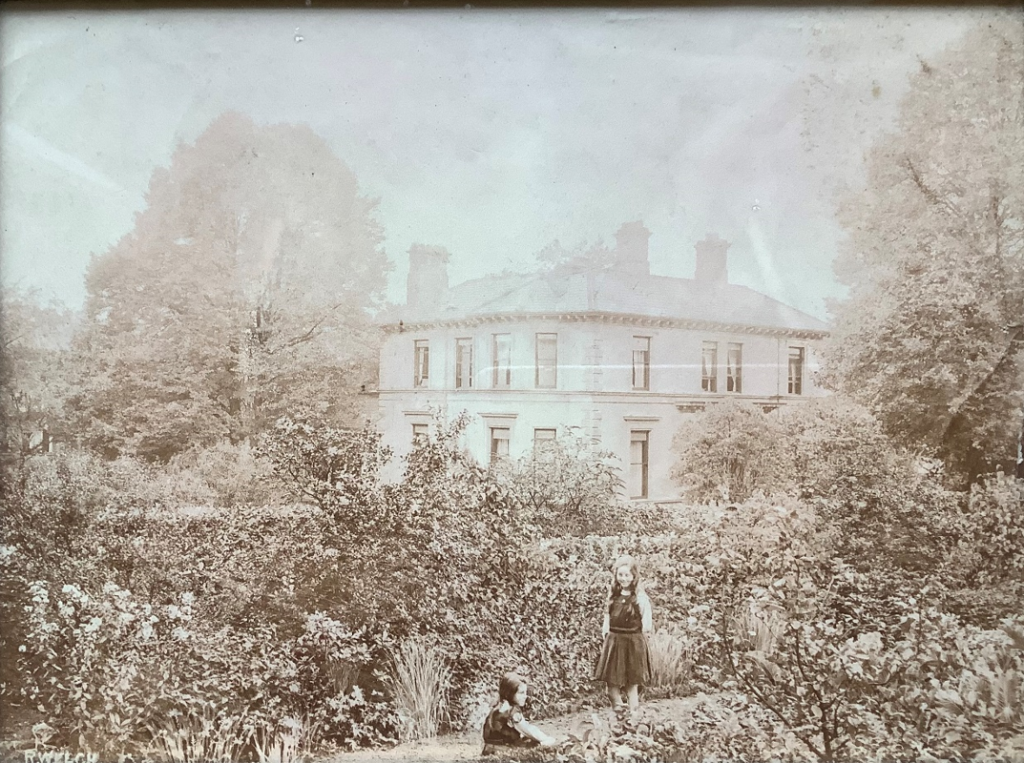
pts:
[991, 547]
[981, 710]
[420, 682]
[188, 613]
[930, 338]
[703, 730]
[228, 475]
[280, 622]
[240, 295]
[584, 256]
[818, 449]
[670, 664]
[565, 485]
[886, 512]
[729, 452]
[34, 339]
[335, 468]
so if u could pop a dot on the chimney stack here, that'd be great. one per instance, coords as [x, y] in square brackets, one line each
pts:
[712, 264]
[631, 248]
[428, 276]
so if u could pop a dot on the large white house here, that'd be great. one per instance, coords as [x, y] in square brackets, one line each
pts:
[619, 353]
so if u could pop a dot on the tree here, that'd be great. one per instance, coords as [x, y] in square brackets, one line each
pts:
[731, 451]
[566, 485]
[241, 294]
[931, 337]
[583, 257]
[33, 369]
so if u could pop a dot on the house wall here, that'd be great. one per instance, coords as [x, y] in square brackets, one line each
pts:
[594, 386]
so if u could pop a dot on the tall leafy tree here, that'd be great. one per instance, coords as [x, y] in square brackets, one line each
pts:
[931, 336]
[34, 339]
[241, 294]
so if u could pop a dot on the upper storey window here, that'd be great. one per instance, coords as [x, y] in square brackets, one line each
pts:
[734, 368]
[463, 363]
[501, 352]
[421, 363]
[709, 367]
[795, 385]
[547, 361]
[641, 362]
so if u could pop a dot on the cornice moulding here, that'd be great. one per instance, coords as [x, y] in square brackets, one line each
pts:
[630, 319]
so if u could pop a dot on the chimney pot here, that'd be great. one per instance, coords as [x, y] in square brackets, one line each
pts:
[631, 251]
[427, 283]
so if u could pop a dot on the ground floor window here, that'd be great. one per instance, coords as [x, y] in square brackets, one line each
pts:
[639, 463]
[544, 441]
[500, 437]
[419, 433]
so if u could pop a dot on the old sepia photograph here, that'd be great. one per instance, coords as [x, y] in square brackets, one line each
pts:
[562, 384]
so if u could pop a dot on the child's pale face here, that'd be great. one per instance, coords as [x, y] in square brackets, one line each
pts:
[624, 576]
[520, 696]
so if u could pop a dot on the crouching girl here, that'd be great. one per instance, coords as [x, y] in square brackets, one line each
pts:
[505, 726]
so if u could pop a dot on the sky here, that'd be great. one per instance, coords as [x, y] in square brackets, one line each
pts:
[491, 132]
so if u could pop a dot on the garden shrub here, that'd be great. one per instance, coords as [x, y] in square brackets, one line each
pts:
[727, 728]
[565, 485]
[729, 452]
[154, 617]
[230, 475]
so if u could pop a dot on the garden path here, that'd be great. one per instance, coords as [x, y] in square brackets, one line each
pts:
[466, 746]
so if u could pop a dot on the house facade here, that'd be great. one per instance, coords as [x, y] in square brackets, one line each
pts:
[618, 354]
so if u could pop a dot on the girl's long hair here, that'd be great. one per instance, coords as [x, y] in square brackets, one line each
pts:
[616, 587]
[508, 686]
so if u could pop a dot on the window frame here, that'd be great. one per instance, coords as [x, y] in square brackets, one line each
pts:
[550, 339]
[709, 382]
[495, 455]
[734, 381]
[795, 382]
[538, 442]
[463, 346]
[420, 433]
[642, 436]
[500, 370]
[642, 347]
[421, 370]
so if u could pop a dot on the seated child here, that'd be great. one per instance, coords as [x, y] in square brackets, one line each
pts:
[505, 725]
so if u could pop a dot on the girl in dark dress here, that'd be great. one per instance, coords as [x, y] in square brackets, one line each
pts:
[625, 661]
[505, 725]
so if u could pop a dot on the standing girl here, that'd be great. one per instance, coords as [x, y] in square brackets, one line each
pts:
[625, 661]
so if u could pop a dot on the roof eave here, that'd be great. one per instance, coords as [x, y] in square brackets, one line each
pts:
[633, 319]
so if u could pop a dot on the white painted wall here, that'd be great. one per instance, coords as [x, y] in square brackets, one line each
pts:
[594, 389]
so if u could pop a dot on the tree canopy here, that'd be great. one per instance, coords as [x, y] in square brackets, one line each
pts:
[930, 337]
[241, 294]
[34, 337]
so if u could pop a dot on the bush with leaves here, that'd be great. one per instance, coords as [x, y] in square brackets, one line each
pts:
[729, 452]
[566, 485]
[980, 712]
[726, 728]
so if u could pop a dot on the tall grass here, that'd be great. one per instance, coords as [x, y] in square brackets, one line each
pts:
[199, 735]
[420, 681]
[757, 631]
[670, 664]
[279, 747]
